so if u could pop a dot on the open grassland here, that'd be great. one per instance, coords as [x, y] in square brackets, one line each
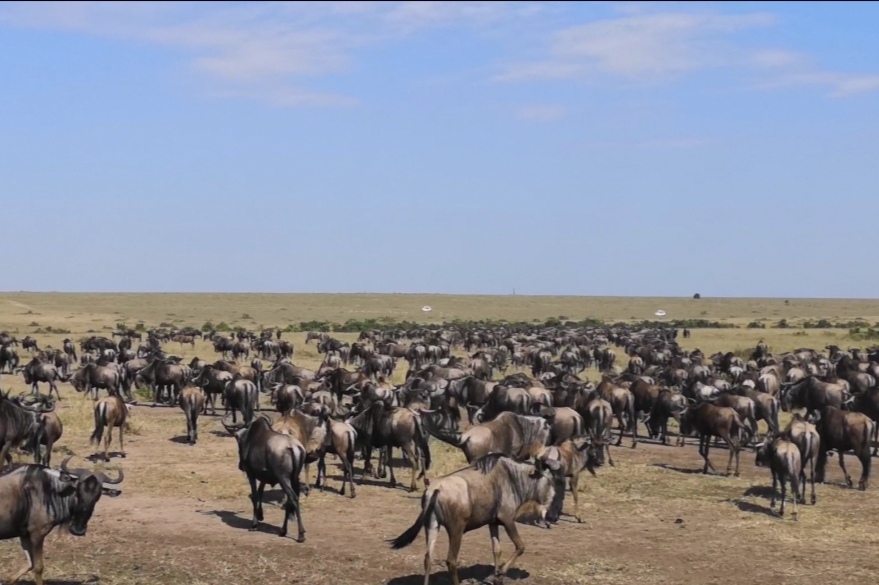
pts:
[184, 513]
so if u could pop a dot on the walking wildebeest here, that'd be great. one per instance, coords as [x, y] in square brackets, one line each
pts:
[785, 465]
[269, 458]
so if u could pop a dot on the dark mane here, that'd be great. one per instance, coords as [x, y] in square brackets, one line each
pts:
[488, 462]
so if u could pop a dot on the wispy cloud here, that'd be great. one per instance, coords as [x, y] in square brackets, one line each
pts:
[654, 45]
[540, 112]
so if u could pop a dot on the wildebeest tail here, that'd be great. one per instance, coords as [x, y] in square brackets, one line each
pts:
[422, 441]
[411, 534]
[100, 422]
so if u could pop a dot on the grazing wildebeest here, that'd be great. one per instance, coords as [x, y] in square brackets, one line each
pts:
[270, 458]
[35, 499]
[488, 492]
[785, 464]
[841, 430]
[192, 403]
[19, 423]
[110, 412]
[714, 421]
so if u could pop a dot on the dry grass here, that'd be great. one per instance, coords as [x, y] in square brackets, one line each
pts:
[172, 525]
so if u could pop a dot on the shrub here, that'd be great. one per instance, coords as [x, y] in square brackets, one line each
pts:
[222, 326]
[208, 326]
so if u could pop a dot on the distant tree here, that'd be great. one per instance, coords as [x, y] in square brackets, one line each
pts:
[786, 302]
[697, 296]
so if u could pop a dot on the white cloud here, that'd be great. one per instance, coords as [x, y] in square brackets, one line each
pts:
[640, 47]
[839, 84]
[540, 112]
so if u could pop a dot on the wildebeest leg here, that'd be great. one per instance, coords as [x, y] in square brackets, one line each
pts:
[704, 445]
[848, 478]
[107, 439]
[456, 533]
[295, 508]
[733, 452]
[28, 549]
[121, 446]
[431, 532]
[622, 426]
[256, 500]
[575, 481]
[865, 470]
[389, 462]
[795, 488]
[609, 458]
[513, 533]
[494, 532]
[413, 461]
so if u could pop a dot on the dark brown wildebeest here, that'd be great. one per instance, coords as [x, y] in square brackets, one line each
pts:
[37, 371]
[310, 431]
[785, 464]
[8, 359]
[213, 382]
[48, 430]
[709, 420]
[840, 431]
[814, 395]
[513, 435]
[30, 344]
[489, 492]
[241, 395]
[184, 339]
[161, 374]
[35, 499]
[19, 424]
[382, 427]
[868, 403]
[668, 404]
[192, 403]
[573, 457]
[110, 412]
[504, 399]
[270, 458]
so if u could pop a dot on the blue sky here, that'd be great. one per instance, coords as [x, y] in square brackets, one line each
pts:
[582, 149]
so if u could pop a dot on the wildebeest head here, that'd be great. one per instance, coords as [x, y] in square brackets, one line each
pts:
[86, 487]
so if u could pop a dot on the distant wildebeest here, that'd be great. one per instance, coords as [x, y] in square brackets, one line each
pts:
[35, 499]
[270, 458]
[488, 492]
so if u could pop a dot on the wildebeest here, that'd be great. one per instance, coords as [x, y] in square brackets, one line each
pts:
[270, 458]
[805, 436]
[840, 431]
[37, 371]
[711, 421]
[110, 412]
[488, 492]
[573, 457]
[19, 423]
[385, 428]
[785, 465]
[192, 403]
[35, 499]
[513, 435]
[93, 376]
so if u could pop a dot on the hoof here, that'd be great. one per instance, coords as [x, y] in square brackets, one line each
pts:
[282, 533]
[252, 528]
[301, 538]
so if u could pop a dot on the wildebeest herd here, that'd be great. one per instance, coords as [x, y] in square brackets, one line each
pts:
[528, 434]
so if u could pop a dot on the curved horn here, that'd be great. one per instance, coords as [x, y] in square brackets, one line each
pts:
[107, 480]
[64, 464]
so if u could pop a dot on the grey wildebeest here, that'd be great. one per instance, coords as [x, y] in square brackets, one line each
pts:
[35, 499]
[785, 465]
[110, 412]
[805, 436]
[270, 458]
[487, 493]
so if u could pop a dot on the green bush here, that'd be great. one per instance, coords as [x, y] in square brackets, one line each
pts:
[208, 326]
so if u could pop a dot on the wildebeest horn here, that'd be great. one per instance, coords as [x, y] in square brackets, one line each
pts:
[64, 464]
[107, 480]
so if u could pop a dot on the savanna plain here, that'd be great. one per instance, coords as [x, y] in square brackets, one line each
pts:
[654, 518]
